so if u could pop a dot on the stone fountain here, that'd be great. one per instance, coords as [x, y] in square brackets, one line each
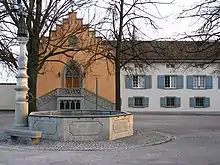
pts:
[82, 125]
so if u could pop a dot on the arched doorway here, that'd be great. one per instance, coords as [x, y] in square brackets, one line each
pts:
[73, 75]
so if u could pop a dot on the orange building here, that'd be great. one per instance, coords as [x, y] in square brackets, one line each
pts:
[77, 67]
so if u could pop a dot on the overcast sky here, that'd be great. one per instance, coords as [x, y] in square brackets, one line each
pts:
[170, 27]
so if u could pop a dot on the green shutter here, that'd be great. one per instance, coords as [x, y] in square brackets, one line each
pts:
[146, 101]
[160, 81]
[179, 82]
[130, 101]
[162, 102]
[206, 102]
[177, 101]
[192, 102]
[189, 82]
[148, 81]
[209, 82]
[128, 82]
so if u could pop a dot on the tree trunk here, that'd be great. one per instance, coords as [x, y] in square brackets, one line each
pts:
[32, 93]
[32, 48]
[118, 60]
[117, 81]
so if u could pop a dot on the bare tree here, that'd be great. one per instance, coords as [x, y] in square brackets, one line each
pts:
[123, 28]
[206, 37]
[42, 16]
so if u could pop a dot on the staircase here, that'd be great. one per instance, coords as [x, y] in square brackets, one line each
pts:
[52, 99]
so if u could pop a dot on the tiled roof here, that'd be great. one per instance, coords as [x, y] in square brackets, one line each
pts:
[170, 50]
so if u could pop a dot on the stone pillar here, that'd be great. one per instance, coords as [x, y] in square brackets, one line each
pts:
[21, 102]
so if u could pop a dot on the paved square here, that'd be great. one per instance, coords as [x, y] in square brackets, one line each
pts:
[197, 142]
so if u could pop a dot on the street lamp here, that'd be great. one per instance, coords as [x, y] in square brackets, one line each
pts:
[96, 91]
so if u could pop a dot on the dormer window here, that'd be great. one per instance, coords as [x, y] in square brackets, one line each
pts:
[170, 65]
[138, 66]
[200, 66]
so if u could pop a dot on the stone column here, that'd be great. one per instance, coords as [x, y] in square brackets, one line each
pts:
[21, 102]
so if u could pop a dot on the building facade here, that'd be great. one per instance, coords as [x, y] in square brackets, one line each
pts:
[73, 78]
[164, 88]
[163, 81]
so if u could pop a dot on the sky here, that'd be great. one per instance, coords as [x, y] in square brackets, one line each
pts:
[172, 27]
[169, 27]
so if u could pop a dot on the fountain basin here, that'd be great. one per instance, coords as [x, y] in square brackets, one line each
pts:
[81, 125]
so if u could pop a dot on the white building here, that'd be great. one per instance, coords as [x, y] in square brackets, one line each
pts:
[176, 86]
[7, 101]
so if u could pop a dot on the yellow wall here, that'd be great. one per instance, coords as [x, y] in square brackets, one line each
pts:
[50, 78]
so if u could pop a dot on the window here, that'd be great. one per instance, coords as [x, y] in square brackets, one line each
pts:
[170, 66]
[170, 101]
[138, 81]
[138, 101]
[199, 66]
[170, 82]
[70, 104]
[199, 81]
[73, 40]
[138, 65]
[199, 102]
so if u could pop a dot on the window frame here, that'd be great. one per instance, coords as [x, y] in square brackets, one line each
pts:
[138, 82]
[138, 106]
[203, 100]
[172, 81]
[197, 82]
[167, 99]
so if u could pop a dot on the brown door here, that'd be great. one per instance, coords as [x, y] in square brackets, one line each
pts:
[72, 82]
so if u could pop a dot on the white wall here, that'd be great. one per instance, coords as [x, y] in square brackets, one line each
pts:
[7, 96]
[154, 93]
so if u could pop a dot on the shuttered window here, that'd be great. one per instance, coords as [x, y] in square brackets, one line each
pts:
[138, 81]
[138, 102]
[170, 102]
[199, 82]
[170, 81]
[199, 102]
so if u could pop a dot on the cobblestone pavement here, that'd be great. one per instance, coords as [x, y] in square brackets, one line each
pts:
[141, 137]
[197, 142]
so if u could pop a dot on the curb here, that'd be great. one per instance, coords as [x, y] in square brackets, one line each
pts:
[180, 113]
[168, 139]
